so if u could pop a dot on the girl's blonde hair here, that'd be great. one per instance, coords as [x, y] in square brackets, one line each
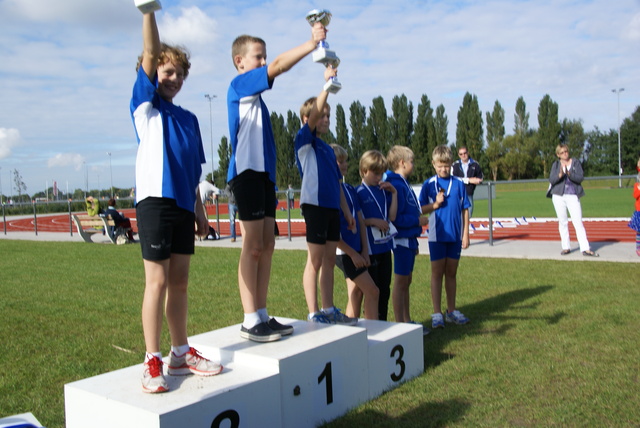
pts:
[374, 161]
[397, 154]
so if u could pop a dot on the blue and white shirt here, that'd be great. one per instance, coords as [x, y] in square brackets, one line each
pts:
[252, 144]
[350, 238]
[445, 223]
[375, 203]
[318, 169]
[407, 219]
[170, 153]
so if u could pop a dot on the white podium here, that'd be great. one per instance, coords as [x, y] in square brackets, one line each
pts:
[303, 380]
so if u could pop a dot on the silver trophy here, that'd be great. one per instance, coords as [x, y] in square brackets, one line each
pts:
[323, 54]
[148, 6]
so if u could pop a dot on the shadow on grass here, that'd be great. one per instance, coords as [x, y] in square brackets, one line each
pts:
[434, 414]
[441, 414]
[485, 310]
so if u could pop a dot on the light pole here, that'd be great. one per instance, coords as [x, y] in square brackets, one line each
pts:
[110, 173]
[210, 98]
[617, 91]
[86, 179]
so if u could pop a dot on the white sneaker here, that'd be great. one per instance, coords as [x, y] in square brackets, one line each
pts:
[152, 379]
[192, 362]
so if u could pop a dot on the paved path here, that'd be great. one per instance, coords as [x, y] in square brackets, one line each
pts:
[611, 251]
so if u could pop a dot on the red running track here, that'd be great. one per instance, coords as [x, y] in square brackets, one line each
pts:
[597, 230]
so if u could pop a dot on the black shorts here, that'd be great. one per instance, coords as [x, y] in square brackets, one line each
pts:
[164, 229]
[345, 264]
[255, 195]
[323, 224]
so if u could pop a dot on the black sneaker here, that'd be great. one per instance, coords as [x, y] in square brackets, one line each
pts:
[284, 330]
[260, 333]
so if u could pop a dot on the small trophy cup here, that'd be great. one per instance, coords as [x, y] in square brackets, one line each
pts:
[148, 6]
[322, 54]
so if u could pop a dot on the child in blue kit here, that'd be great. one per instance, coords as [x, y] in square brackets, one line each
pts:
[353, 252]
[321, 199]
[445, 197]
[379, 203]
[252, 174]
[168, 167]
[409, 222]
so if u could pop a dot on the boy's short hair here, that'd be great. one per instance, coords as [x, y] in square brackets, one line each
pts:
[241, 44]
[112, 202]
[374, 161]
[397, 154]
[175, 54]
[340, 152]
[442, 154]
[307, 106]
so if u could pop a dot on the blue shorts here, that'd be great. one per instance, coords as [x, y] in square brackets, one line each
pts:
[445, 250]
[403, 260]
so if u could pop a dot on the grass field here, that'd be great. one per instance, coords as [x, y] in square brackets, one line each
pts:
[549, 343]
[521, 200]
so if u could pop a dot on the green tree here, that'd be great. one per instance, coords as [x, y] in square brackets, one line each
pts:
[423, 141]
[515, 159]
[469, 127]
[441, 127]
[224, 158]
[521, 118]
[630, 142]
[342, 133]
[293, 176]
[401, 121]
[285, 153]
[19, 186]
[601, 153]
[495, 139]
[357, 121]
[548, 132]
[378, 135]
[572, 134]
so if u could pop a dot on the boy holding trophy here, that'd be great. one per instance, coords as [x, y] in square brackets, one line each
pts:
[252, 174]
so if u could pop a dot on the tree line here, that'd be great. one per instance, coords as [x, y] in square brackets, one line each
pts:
[526, 153]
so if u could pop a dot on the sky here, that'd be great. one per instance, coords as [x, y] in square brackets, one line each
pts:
[68, 68]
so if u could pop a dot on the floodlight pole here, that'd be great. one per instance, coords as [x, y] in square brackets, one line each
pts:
[210, 98]
[617, 91]
[111, 173]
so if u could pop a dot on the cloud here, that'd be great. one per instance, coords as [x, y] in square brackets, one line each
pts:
[9, 138]
[192, 28]
[66, 159]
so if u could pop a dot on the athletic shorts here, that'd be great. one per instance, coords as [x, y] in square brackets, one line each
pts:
[164, 229]
[255, 195]
[442, 250]
[323, 224]
[403, 260]
[345, 264]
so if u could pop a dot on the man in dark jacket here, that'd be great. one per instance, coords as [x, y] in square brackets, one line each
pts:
[470, 172]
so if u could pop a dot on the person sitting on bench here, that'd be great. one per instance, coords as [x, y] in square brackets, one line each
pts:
[119, 219]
